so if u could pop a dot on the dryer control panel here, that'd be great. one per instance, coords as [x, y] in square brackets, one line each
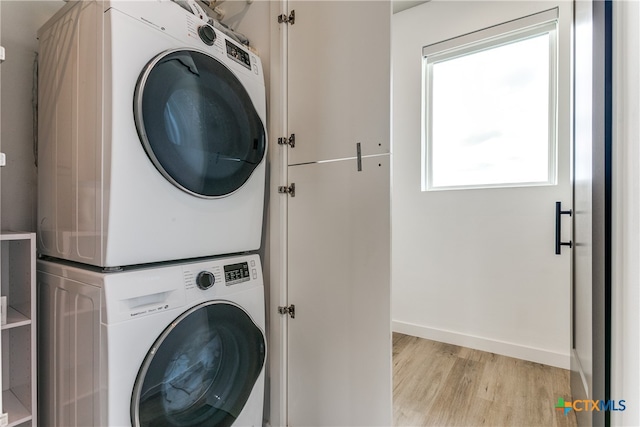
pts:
[238, 54]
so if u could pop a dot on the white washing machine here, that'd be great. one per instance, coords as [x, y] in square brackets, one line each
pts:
[175, 345]
[152, 136]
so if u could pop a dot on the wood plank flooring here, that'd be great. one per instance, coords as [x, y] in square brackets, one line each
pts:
[437, 384]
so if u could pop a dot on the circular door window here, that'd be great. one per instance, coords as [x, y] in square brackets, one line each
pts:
[201, 370]
[197, 123]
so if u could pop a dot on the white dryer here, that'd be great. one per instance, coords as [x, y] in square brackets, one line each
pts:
[175, 345]
[152, 136]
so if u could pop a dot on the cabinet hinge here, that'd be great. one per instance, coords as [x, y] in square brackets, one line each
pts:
[284, 19]
[290, 310]
[291, 140]
[290, 190]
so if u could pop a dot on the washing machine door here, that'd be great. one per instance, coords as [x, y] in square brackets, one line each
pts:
[197, 123]
[201, 370]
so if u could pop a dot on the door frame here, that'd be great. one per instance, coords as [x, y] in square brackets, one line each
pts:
[592, 27]
[625, 301]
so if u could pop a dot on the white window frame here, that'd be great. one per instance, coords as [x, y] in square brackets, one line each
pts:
[520, 29]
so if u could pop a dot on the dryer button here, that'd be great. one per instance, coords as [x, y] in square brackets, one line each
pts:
[205, 280]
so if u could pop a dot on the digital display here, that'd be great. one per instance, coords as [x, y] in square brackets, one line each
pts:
[234, 52]
[236, 273]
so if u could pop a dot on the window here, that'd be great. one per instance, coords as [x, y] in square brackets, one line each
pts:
[490, 107]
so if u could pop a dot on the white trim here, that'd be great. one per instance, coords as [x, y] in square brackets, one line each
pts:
[462, 46]
[517, 25]
[504, 348]
[284, 219]
[625, 309]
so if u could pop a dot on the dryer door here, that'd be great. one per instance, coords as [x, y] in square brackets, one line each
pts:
[201, 370]
[197, 123]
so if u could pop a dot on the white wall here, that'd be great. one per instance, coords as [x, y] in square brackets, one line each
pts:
[20, 22]
[252, 20]
[514, 314]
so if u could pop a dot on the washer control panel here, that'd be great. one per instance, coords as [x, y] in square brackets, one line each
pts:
[236, 273]
[222, 274]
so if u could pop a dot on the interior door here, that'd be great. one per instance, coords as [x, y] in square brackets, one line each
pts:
[592, 198]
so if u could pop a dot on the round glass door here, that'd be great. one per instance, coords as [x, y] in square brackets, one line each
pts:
[201, 370]
[197, 123]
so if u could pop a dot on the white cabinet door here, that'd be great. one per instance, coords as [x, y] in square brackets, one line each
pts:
[339, 73]
[339, 282]
[339, 343]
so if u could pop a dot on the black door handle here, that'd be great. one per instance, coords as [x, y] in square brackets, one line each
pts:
[559, 213]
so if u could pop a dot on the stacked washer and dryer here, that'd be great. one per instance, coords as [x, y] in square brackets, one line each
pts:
[151, 174]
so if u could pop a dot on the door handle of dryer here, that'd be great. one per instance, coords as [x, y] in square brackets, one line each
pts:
[559, 242]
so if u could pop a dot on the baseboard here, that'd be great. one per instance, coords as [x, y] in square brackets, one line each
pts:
[518, 351]
[577, 367]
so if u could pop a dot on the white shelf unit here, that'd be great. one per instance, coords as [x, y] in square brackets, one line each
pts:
[18, 284]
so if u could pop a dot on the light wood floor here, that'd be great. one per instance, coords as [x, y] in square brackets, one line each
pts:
[437, 384]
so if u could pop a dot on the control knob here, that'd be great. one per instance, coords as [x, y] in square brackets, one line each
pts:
[205, 280]
[207, 35]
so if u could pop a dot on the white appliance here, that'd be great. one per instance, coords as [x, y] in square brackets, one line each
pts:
[172, 345]
[151, 136]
